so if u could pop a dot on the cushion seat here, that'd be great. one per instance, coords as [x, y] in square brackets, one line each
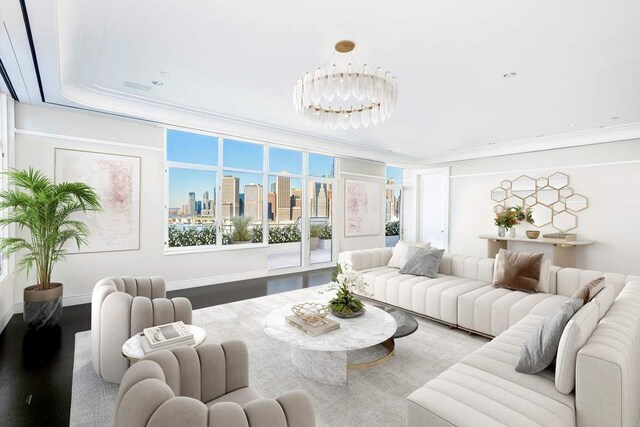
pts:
[436, 298]
[484, 389]
[491, 311]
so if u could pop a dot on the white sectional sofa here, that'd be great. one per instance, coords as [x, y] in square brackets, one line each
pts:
[484, 389]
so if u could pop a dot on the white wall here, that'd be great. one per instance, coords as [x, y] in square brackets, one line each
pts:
[363, 170]
[6, 133]
[608, 174]
[81, 271]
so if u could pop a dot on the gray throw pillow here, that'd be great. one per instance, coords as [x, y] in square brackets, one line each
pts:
[423, 262]
[540, 349]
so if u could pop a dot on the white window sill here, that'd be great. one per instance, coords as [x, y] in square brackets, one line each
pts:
[200, 249]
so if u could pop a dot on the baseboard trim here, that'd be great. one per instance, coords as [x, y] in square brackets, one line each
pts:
[171, 286]
[215, 280]
[66, 301]
[6, 318]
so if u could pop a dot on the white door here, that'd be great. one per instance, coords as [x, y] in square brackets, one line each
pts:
[433, 207]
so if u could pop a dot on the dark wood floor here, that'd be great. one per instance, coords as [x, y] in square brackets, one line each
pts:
[36, 367]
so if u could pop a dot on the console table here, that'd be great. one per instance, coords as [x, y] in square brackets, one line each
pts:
[564, 252]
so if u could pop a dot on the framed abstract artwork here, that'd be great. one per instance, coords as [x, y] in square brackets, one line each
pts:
[362, 208]
[116, 179]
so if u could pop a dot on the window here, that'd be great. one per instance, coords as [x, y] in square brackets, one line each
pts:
[191, 175]
[223, 191]
[393, 205]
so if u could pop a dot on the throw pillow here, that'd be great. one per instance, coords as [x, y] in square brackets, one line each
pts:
[540, 349]
[519, 271]
[401, 250]
[423, 262]
[588, 291]
[574, 337]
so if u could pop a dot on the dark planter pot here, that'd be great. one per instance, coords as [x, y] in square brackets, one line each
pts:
[43, 308]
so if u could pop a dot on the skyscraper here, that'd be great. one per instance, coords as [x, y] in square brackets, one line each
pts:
[206, 203]
[283, 198]
[271, 209]
[230, 197]
[192, 203]
[253, 201]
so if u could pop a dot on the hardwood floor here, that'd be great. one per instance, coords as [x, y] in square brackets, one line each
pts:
[36, 367]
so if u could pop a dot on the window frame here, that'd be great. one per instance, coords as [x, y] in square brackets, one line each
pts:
[220, 169]
[394, 187]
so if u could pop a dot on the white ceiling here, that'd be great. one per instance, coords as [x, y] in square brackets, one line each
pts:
[576, 62]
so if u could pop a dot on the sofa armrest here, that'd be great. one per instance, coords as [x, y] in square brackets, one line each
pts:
[366, 258]
[607, 381]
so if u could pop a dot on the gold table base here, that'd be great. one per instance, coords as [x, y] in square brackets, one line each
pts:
[389, 345]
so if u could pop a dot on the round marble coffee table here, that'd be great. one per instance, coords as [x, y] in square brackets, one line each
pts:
[324, 358]
[132, 348]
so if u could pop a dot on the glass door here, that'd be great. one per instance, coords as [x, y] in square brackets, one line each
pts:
[320, 222]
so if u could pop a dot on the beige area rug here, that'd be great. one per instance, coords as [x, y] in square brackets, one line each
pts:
[373, 397]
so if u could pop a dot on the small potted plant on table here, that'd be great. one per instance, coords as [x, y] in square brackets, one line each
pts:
[47, 211]
[347, 282]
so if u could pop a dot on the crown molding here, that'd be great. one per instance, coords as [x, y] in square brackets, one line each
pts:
[552, 142]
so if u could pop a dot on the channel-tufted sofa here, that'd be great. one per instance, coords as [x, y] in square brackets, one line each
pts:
[205, 386]
[596, 379]
[122, 307]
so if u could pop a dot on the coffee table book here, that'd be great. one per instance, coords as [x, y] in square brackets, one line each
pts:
[315, 329]
[163, 336]
[147, 348]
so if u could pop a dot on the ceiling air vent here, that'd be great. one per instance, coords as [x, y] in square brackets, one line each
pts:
[137, 86]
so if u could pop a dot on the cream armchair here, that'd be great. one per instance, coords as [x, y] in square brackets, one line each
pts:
[205, 386]
[123, 307]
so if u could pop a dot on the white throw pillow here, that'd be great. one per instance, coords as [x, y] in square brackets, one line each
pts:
[574, 337]
[400, 251]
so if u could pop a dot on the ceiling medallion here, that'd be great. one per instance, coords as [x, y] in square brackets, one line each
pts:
[345, 94]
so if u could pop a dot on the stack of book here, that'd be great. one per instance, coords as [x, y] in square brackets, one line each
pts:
[316, 328]
[166, 336]
[560, 237]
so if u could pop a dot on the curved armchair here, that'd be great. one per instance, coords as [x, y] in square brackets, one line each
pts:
[205, 386]
[123, 307]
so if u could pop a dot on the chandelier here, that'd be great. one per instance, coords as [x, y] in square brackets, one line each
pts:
[345, 95]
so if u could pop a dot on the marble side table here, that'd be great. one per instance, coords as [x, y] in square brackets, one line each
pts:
[324, 358]
[132, 348]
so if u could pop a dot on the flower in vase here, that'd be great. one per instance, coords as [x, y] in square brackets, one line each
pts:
[347, 283]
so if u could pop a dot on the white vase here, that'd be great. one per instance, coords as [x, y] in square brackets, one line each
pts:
[512, 232]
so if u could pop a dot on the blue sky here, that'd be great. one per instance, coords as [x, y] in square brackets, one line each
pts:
[200, 149]
[395, 173]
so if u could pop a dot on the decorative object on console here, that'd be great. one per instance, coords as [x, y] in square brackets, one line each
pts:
[549, 200]
[423, 262]
[519, 271]
[321, 98]
[540, 349]
[362, 208]
[509, 217]
[401, 252]
[116, 179]
[48, 212]
[533, 234]
[346, 282]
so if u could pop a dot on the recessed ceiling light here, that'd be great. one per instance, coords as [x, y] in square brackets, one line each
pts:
[164, 73]
[570, 125]
[539, 136]
[157, 82]
[510, 75]
[614, 118]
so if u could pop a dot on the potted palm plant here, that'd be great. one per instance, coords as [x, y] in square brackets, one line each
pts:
[47, 211]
